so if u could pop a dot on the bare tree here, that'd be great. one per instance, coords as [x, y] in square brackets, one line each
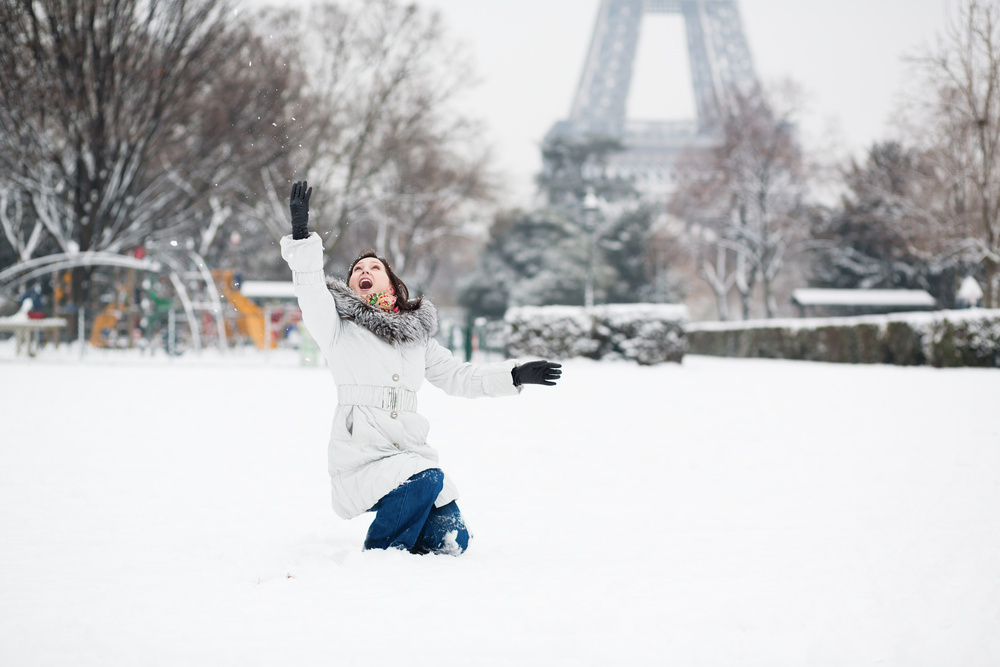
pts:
[960, 129]
[765, 180]
[431, 195]
[22, 229]
[394, 167]
[128, 121]
[748, 191]
[698, 202]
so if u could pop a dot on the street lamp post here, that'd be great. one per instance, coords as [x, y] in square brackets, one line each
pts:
[590, 211]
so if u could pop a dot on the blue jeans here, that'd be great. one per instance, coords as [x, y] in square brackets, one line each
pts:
[405, 518]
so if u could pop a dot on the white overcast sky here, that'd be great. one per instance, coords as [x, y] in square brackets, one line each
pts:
[846, 54]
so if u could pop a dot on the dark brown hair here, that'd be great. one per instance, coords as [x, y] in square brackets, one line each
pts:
[398, 286]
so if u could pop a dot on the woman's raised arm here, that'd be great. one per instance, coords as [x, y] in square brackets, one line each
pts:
[304, 253]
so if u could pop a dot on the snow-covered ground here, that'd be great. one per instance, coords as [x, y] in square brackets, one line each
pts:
[721, 512]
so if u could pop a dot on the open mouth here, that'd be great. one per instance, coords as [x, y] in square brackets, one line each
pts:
[365, 283]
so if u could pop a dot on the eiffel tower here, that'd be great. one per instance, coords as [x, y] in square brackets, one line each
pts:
[719, 59]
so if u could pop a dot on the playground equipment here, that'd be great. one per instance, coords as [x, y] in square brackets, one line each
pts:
[105, 323]
[264, 309]
[183, 268]
[250, 318]
[147, 287]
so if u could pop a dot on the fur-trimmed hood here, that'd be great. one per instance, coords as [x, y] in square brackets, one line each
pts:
[406, 326]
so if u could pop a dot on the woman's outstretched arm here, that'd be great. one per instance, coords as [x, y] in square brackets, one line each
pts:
[445, 371]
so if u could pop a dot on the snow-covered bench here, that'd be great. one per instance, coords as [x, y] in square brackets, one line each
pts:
[28, 331]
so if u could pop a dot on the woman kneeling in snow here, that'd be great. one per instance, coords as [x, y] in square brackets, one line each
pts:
[380, 347]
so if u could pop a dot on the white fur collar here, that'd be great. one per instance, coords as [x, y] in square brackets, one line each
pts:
[413, 326]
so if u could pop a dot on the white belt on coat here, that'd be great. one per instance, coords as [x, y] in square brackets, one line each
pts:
[387, 398]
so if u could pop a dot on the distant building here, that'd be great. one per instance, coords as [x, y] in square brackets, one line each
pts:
[846, 302]
[719, 61]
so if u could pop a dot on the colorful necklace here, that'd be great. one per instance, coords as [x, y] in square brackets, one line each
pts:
[384, 301]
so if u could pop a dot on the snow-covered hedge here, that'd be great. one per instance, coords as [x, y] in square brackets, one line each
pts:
[645, 333]
[942, 338]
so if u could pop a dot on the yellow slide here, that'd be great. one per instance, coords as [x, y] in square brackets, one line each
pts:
[251, 319]
[106, 321]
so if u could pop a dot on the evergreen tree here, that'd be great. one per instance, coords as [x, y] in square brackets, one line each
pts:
[542, 257]
[624, 247]
[878, 237]
[530, 259]
[571, 166]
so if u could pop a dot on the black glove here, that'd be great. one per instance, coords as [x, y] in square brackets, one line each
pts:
[536, 372]
[299, 204]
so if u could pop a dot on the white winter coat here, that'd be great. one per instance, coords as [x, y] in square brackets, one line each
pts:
[378, 361]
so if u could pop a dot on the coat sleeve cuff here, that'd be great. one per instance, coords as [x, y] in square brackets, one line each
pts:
[304, 256]
[497, 380]
[310, 278]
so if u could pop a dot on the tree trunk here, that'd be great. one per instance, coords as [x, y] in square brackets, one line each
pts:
[769, 304]
[723, 303]
[716, 277]
[991, 296]
[746, 279]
